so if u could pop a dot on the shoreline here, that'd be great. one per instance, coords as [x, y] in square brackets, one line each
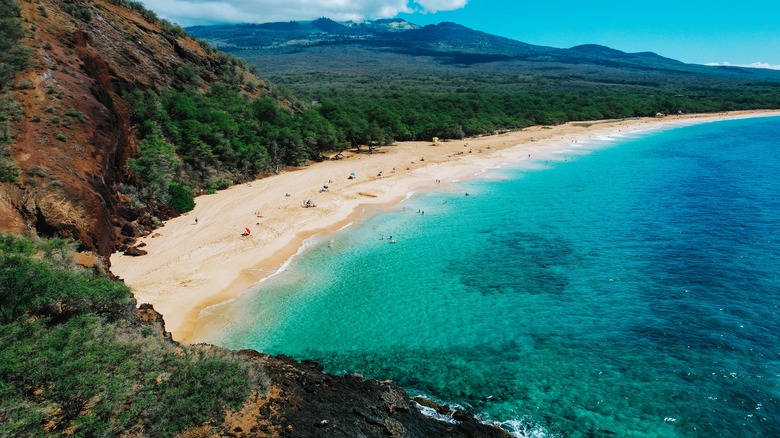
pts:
[192, 266]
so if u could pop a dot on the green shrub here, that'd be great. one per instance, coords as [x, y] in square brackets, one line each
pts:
[181, 199]
[35, 287]
[81, 117]
[37, 171]
[157, 165]
[188, 73]
[76, 11]
[173, 30]
[9, 172]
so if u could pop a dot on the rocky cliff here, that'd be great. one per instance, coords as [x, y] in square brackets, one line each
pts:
[74, 135]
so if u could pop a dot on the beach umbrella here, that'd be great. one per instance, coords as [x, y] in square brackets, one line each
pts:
[353, 173]
[324, 187]
[247, 231]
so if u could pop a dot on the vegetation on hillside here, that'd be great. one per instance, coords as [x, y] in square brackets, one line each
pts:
[211, 140]
[420, 115]
[13, 59]
[74, 360]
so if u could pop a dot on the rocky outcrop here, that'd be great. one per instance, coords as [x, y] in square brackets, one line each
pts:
[304, 401]
[299, 400]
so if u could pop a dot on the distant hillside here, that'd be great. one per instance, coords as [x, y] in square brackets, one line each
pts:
[441, 46]
[401, 81]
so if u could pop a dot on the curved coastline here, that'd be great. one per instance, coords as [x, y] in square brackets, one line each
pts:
[191, 267]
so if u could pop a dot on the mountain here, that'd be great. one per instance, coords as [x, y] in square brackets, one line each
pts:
[286, 52]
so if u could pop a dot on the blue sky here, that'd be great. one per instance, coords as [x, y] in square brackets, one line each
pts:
[738, 33]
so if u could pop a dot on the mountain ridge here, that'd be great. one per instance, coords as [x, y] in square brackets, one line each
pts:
[445, 41]
[497, 44]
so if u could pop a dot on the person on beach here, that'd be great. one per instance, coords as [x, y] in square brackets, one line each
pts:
[196, 221]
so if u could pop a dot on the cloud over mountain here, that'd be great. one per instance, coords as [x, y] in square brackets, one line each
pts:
[753, 65]
[191, 12]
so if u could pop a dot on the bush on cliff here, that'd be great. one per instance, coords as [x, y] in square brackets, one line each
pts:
[74, 359]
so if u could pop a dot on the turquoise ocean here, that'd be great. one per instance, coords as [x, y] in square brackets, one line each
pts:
[629, 289]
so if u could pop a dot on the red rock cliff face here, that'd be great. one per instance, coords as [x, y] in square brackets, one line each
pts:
[75, 136]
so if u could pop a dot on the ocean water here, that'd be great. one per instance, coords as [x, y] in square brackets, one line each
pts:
[630, 289]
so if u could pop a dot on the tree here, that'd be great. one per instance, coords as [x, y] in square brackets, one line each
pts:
[181, 199]
[157, 165]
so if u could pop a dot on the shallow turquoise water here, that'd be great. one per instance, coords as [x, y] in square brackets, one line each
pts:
[631, 291]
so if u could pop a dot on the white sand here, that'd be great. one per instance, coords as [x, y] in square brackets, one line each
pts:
[193, 266]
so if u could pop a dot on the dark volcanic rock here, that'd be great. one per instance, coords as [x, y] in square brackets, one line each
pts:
[135, 252]
[311, 403]
[441, 409]
[131, 230]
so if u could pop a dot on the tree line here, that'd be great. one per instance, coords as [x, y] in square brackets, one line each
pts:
[211, 140]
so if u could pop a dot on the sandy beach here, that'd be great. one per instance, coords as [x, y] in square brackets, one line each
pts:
[201, 259]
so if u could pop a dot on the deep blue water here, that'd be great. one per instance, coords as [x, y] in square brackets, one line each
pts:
[630, 291]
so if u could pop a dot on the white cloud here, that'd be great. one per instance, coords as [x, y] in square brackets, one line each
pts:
[753, 65]
[191, 12]
[441, 5]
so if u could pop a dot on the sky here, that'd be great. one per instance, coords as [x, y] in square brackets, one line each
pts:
[744, 33]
